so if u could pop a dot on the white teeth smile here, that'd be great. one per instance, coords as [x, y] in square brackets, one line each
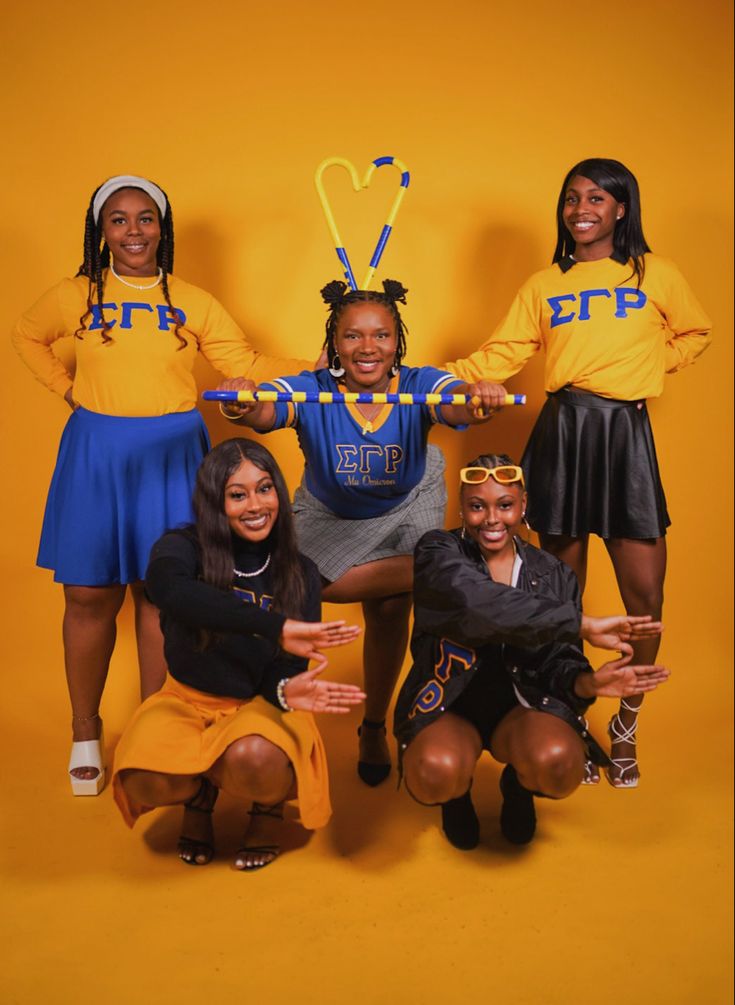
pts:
[257, 522]
[493, 535]
[583, 225]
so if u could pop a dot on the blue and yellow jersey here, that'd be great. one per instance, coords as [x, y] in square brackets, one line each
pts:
[360, 468]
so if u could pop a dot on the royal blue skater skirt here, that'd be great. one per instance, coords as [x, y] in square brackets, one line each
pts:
[118, 484]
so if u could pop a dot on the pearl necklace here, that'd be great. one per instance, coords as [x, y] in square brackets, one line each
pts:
[250, 575]
[137, 286]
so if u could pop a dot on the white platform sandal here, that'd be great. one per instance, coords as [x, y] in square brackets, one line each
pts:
[620, 733]
[88, 754]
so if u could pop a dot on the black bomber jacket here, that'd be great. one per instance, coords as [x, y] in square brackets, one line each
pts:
[465, 623]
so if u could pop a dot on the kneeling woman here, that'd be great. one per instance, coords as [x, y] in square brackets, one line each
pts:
[498, 664]
[240, 611]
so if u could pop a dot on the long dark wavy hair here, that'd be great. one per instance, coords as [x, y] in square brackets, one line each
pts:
[628, 240]
[215, 536]
[97, 257]
[337, 295]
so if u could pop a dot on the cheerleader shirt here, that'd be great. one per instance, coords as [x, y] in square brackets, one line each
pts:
[143, 371]
[362, 468]
[601, 333]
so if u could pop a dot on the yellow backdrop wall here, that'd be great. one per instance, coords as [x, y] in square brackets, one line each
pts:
[230, 106]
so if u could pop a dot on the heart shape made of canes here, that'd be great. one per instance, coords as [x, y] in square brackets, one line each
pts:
[357, 185]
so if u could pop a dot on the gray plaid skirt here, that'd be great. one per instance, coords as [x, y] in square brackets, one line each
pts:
[337, 544]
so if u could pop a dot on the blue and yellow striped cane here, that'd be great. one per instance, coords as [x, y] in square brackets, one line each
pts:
[350, 398]
[357, 185]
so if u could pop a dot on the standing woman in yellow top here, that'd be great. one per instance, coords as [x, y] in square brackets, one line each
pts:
[132, 445]
[613, 319]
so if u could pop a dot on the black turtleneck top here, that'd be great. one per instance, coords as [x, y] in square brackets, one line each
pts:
[243, 658]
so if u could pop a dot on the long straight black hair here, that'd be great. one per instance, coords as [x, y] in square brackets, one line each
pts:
[628, 240]
[213, 528]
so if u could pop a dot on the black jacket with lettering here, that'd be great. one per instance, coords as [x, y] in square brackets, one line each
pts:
[465, 623]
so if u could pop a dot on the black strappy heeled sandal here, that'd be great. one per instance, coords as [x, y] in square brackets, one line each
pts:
[372, 774]
[194, 851]
[274, 850]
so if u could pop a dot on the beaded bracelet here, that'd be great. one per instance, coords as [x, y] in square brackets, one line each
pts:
[281, 694]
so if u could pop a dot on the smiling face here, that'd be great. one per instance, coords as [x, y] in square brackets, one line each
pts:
[590, 214]
[492, 515]
[251, 502]
[132, 229]
[366, 342]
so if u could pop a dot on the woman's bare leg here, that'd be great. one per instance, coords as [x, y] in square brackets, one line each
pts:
[570, 550]
[89, 632]
[384, 588]
[573, 552]
[439, 763]
[384, 647]
[545, 751]
[155, 788]
[640, 569]
[255, 770]
[543, 756]
[149, 640]
[438, 768]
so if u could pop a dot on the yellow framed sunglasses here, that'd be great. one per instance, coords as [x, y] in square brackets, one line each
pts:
[504, 474]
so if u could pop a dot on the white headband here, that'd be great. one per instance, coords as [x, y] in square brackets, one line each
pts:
[127, 181]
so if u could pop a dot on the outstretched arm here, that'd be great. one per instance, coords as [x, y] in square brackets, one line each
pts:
[618, 631]
[618, 679]
[258, 415]
[307, 638]
[487, 398]
[306, 693]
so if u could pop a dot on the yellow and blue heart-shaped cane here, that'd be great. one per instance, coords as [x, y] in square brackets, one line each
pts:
[350, 397]
[357, 186]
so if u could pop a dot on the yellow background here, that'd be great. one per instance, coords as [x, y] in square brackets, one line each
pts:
[230, 107]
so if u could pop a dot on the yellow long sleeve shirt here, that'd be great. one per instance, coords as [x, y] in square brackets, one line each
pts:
[600, 332]
[142, 371]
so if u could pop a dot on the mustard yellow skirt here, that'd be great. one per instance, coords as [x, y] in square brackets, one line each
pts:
[182, 731]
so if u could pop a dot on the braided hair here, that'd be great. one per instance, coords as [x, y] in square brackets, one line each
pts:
[337, 296]
[490, 461]
[97, 257]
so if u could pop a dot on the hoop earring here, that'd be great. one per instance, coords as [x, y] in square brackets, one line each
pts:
[336, 369]
[528, 528]
[395, 369]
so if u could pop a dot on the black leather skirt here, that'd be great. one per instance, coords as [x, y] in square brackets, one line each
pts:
[590, 467]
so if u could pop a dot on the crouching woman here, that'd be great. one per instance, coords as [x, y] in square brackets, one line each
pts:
[240, 613]
[498, 663]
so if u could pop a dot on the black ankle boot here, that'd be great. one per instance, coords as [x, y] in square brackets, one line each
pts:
[517, 816]
[460, 823]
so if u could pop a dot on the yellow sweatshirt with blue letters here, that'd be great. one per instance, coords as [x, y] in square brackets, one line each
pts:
[142, 371]
[601, 333]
